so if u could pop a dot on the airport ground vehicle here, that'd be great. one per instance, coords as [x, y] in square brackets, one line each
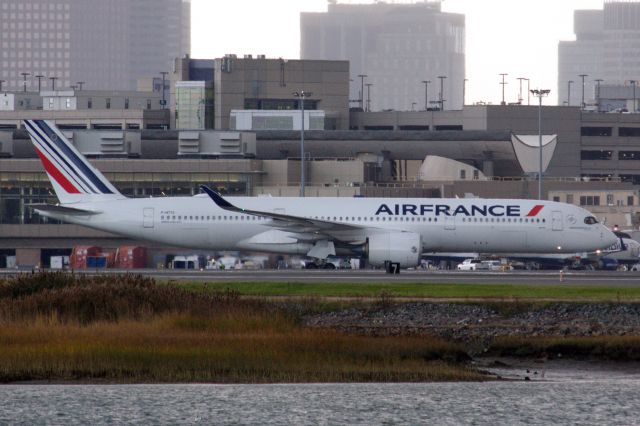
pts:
[470, 265]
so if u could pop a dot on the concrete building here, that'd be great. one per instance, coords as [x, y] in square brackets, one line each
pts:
[266, 85]
[106, 44]
[595, 163]
[618, 98]
[607, 48]
[397, 46]
[85, 109]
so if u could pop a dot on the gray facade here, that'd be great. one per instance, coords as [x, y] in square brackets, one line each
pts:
[396, 45]
[107, 44]
[607, 47]
[258, 83]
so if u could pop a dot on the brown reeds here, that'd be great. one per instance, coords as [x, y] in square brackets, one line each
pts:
[129, 329]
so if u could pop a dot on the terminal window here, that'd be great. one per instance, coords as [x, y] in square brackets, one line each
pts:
[629, 155]
[596, 131]
[589, 200]
[629, 132]
[596, 155]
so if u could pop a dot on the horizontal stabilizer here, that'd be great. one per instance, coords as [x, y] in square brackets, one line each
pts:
[53, 208]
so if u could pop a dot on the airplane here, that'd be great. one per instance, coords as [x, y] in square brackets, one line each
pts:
[388, 232]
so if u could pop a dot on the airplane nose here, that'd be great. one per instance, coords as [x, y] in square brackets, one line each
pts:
[608, 238]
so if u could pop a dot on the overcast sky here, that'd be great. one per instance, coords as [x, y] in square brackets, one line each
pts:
[518, 37]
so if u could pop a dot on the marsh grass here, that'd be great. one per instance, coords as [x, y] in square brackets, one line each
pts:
[59, 327]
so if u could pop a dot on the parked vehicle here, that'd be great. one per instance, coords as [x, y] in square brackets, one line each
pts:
[493, 265]
[471, 265]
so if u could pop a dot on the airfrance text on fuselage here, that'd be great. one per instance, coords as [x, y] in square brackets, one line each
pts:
[496, 210]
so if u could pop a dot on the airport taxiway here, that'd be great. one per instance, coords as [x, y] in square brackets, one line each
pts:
[595, 278]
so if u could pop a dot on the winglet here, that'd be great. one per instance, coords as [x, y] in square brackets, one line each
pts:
[217, 198]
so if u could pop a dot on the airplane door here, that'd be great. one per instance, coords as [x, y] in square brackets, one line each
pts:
[147, 217]
[556, 220]
[450, 222]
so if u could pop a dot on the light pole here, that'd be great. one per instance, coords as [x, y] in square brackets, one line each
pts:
[540, 93]
[302, 95]
[80, 84]
[598, 81]
[633, 83]
[24, 80]
[583, 76]
[362, 77]
[2, 81]
[520, 92]
[369, 96]
[53, 83]
[569, 83]
[39, 77]
[503, 84]
[426, 94]
[164, 100]
[442, 77]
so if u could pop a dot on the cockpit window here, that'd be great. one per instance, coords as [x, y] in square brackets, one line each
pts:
[590, 220]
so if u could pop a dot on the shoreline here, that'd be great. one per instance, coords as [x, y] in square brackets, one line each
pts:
[502, 369]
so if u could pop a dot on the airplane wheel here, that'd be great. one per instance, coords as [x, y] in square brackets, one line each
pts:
[311, 266]
[329, 266]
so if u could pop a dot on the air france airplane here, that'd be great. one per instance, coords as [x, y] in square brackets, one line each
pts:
[388, 232]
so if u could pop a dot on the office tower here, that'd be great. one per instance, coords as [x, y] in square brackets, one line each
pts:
[607, 48]
[396, 46]
[103, 44]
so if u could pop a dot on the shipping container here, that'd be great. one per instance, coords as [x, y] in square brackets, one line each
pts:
[96, 261]
[79, 256]
[131, 257]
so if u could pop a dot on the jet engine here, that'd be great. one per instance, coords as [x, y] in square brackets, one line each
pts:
[403, 248]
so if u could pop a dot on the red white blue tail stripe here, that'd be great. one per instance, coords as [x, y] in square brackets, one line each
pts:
[68, 170]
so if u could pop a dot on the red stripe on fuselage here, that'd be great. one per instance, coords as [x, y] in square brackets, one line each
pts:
[535, 210]
[55, 173]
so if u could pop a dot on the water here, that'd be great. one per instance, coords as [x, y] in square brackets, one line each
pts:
[582, 402]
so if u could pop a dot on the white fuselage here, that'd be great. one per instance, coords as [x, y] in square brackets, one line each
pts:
[474, 225]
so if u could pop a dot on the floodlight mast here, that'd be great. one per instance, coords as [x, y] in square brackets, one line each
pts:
[540, 93]
[302, 95]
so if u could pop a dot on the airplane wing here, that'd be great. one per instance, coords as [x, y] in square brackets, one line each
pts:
[290, 223]
[54, 208]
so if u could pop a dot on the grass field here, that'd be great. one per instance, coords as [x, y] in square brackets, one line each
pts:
[58, 327]
[417, 290]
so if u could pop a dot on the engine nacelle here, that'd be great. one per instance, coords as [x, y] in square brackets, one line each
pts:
[404, 248]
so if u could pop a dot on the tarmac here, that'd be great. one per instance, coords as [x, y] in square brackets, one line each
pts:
[575, 278]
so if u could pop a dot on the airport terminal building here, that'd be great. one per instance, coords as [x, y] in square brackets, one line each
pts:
[589, 158]
[234, 124]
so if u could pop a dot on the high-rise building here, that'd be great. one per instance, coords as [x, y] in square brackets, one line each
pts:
[607, 48]
[103, 44]
[396, 46]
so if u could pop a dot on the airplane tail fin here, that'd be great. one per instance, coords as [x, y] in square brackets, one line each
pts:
[74, 179]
